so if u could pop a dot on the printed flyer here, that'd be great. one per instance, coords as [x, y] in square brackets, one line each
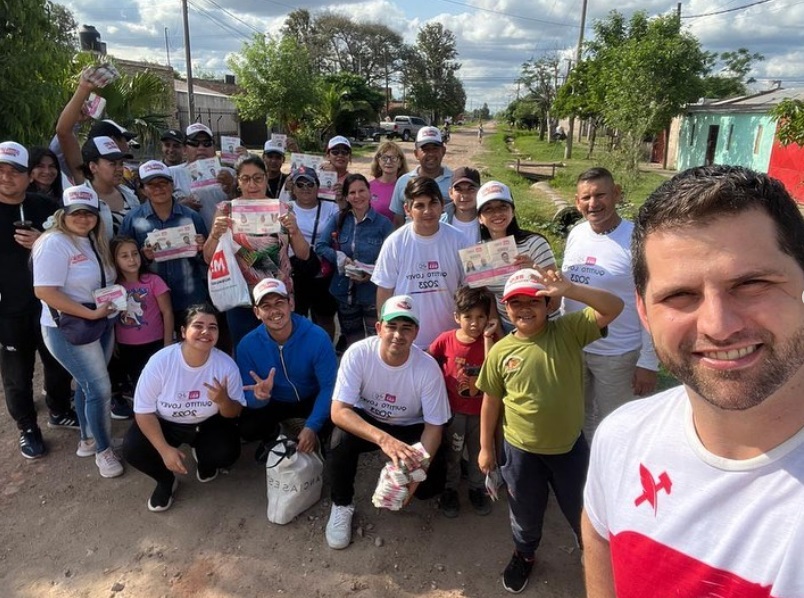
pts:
[172, 243]
[229, 147]
[489, 263]
[255, 216]
[204, 173]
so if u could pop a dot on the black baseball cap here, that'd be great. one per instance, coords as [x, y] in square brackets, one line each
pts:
[109, 128]
[172, 135]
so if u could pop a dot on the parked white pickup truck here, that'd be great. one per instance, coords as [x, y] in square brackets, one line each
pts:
[404, 127]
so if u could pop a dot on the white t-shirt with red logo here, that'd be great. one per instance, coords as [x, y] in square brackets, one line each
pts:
[175, 391]
[684, 522]
[412, 393]
[67, 262]
[429, 270]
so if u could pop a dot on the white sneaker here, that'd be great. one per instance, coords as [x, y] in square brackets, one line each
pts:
[108, 464]
[339, 526]
[86, 448]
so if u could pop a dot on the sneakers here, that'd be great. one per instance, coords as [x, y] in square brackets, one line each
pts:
[204, 474]
[339, 526]
[32, 446]
[162, 497]
[449, 504]
[121, 408]
[515, 576]
[86, 448]
[480, 501]
[65, 420]
[108, 464]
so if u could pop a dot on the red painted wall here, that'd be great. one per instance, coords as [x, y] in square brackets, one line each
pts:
[787, 165]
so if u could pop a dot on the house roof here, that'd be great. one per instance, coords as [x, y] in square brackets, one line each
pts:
[181, 87]
[763, 101]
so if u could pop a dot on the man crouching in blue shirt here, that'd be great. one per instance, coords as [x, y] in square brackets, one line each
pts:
[288, 367]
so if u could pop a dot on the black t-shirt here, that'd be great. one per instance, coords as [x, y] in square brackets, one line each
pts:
[16, 278]
[275, 185]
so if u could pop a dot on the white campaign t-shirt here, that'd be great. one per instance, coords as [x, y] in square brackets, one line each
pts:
[681, 521]
[305, 218]
[604, 262]
[470, 230]
[69, 263]
[409, 394]
[429, 270]
[175, 391]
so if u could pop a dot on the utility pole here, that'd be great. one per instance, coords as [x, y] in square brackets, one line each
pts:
[190, 98]
[568, 148]
[167, 46]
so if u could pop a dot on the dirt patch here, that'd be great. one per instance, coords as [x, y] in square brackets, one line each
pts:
[66, 532]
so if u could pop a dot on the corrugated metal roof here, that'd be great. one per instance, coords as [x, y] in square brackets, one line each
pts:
[758, 102]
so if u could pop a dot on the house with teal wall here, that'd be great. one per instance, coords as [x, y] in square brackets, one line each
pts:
[741, 132]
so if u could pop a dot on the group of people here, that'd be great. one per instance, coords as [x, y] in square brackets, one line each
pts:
[513, 377]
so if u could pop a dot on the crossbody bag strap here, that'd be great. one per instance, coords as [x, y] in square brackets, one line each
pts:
[55, 314]
[315, 225]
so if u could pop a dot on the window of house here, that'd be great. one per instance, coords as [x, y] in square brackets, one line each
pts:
[692, 135]
[758, 139]
[728, 138]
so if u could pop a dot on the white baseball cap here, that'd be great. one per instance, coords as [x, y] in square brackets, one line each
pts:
[268, 286]
[399, 306]
[523, 282]
[13, 154]
[428, 135]
[153, 169]
[338, 140]
[196, 129]
[80, 197]
[102, 147]
[491, 191]
[272, 147]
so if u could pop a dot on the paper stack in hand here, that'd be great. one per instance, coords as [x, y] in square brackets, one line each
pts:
[392, 488]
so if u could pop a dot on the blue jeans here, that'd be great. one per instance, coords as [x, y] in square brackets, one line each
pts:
[241, 321]
[93, 394]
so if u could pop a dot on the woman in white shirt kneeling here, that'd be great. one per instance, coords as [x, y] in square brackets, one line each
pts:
[188, 393]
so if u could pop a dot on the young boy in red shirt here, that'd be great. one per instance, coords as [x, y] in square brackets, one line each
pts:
[461, 353]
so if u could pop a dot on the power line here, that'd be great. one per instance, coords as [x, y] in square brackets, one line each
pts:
[223, 25]
[513, 16]
[238, 19]
[720, 12]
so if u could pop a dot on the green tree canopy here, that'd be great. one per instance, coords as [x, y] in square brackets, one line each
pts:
[732, 69]
[279, 82]
[37, 41]
[432, 73]
[790, 114]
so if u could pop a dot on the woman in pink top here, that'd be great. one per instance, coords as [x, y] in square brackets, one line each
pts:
[388, 165]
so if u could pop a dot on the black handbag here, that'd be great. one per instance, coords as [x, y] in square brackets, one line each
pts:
[78, 330]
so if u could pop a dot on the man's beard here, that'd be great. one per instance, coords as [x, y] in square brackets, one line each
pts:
[738, 390]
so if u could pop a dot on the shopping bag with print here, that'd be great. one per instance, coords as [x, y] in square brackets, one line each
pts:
[295, 480]
[227, 287]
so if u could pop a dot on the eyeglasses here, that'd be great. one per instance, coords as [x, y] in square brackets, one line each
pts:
[305, 184]
[257, 179]
[206, 143]
[389, 159]
[339, 152]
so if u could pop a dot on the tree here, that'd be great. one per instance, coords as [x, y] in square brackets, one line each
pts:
[37, 41]
[643, 73]
[346, 100]
[434, 85]
[279, 83]
[540, 78]
[732, 73]
[790, 114]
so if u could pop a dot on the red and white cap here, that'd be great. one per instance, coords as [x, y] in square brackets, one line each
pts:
[399, 306]
[523, 282]
[338, 140]
[268, 286]
[273, 147]
[80, 197]
[491, 191]
[154, 169]
[196, 129]
[13, 154]
[428, 135]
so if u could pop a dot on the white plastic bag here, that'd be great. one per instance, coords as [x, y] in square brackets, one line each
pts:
[227, 287]
[295, 480]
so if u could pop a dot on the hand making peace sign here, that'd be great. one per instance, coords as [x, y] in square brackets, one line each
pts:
[262, 388]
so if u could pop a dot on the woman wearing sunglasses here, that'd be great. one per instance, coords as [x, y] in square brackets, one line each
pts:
[339, 155]
[388, 165]
[259, 256]
[311, 277]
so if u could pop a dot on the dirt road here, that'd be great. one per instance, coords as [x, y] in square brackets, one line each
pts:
[66, 532]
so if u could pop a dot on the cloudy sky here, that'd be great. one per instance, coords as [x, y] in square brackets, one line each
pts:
[494, 37]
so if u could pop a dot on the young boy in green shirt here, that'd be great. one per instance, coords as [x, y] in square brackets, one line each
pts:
[534, 376]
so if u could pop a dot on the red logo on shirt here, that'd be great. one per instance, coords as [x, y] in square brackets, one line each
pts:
[77, 259]
[591, 261]
[651, 487]
[194, 395]
[390, 398]
[218, 267]
[432, 265]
